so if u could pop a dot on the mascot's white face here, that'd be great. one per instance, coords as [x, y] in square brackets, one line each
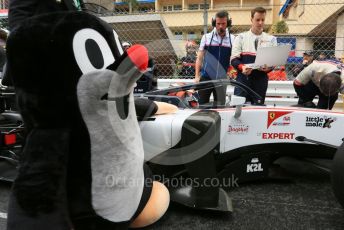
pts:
[91, 50]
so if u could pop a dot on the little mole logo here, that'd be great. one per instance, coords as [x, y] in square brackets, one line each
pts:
[322, 122]
[327, 123]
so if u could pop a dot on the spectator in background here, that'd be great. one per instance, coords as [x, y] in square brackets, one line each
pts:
[307, 59]
[342, 59]
[244, 52]
[126, 45]
[145, 107]
[333, 57]
[148, 81]
[189, 61]
[322, 56]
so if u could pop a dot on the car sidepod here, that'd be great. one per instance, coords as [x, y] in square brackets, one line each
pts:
[188, 169]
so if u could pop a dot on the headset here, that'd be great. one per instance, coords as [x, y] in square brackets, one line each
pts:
[229, 20]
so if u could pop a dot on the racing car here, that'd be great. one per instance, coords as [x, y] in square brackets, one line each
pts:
[195, 152]
[200, 152]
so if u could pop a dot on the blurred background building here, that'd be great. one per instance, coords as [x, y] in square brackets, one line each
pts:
[165, 26]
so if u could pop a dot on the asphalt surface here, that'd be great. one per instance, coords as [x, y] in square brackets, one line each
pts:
[306, 201]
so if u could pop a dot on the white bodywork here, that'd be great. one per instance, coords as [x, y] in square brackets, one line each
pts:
[163, 133]
[256, 125]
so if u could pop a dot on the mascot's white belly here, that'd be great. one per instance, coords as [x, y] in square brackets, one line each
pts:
[116, 145]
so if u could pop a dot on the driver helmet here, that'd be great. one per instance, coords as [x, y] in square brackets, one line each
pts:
[189, 97]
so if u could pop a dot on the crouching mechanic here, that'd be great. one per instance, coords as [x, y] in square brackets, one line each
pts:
[322, 78]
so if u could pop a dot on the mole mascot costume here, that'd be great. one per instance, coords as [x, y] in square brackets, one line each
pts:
[83, 165]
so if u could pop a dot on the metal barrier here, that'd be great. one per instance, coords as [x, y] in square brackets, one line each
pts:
[278, 93]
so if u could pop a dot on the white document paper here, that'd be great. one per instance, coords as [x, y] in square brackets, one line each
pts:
[271, 56]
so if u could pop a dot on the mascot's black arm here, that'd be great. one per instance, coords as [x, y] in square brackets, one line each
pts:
[145, 107]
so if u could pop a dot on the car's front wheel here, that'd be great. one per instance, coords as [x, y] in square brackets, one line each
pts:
[337, 175]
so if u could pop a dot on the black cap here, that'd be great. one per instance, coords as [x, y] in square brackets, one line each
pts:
[308, 52]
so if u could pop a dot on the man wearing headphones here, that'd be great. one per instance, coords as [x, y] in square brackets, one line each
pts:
[244, 52]
[213, 58]
[322, 78]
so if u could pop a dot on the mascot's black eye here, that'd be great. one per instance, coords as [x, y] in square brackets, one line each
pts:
[122, 105]
[94, 54]
[91, 50]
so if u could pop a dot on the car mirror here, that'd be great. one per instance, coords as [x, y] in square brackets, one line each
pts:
[236, 100]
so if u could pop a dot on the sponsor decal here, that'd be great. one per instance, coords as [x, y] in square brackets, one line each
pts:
[238, 129]
[278, 136]
[278, 118]
[255, 166]
[322, 122]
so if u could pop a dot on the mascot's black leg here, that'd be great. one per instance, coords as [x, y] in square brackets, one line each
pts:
[337, 175]
[38, 199]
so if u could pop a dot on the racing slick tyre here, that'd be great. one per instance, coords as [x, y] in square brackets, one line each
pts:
[337, 175]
